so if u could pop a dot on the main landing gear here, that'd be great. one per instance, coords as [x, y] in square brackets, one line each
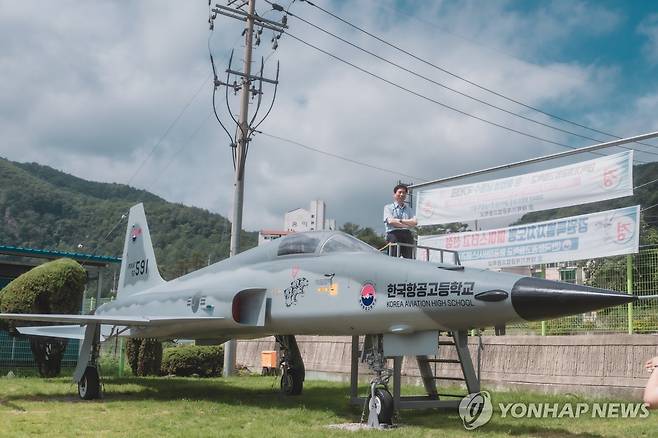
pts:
[380, 401]
[89, 386]
[292, 365]
[86, 373]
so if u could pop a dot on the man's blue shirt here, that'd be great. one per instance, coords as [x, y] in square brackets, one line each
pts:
[396, 211]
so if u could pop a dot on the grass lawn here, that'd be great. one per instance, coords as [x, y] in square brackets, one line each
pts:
[252, 406]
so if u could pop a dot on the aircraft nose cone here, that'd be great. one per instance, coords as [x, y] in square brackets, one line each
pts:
[536, 299]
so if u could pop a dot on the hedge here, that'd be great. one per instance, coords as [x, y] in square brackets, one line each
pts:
[186, 360]
[54, 287]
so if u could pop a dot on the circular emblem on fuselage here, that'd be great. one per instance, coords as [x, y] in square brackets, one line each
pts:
[368, 298]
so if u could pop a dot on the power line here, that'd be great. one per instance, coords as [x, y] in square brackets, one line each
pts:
[469, 40]
[340, 157]
[169, 128]
[647, 208]
[484, 102]
[429, 99]
[150, 154]
[183, 146]
[645, 184]
[475, 84]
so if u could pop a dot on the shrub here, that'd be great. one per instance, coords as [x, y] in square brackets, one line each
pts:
[144, 356]
[54, 287]
[186, 360]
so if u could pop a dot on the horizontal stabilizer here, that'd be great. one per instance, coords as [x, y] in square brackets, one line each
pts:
[55, 331]
[128, 321]
[63, 331]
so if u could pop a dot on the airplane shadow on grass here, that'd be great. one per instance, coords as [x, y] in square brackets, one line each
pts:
[320, 397]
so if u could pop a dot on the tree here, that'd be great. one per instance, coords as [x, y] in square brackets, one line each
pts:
[54, 287]
[368, 235]
[454, 227]
[144, 356]
[350, 228]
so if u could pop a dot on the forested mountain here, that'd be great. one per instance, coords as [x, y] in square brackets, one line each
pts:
[41, 207]
[644, 195]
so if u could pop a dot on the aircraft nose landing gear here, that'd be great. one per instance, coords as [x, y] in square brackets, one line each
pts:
[380, 401]
[380, 406]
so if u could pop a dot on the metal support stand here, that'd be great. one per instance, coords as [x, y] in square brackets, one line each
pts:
[354, 372]
[428, 376]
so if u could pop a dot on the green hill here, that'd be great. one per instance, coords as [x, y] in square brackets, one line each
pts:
[41, 207]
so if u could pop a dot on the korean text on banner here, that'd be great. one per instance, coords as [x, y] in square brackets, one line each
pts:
[602, 234]
[589, 181]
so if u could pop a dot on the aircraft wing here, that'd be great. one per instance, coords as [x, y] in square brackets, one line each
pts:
[129, 321]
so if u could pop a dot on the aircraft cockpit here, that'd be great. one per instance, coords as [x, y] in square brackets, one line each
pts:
[321, 242]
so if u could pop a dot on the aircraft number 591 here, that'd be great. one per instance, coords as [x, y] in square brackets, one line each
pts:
[140, 267]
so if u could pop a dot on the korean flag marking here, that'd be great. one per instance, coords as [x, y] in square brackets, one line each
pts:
[368, 296]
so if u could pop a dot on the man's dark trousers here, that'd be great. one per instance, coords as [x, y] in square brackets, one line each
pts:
[402, 236]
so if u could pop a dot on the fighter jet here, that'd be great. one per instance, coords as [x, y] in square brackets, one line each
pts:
[313, 283]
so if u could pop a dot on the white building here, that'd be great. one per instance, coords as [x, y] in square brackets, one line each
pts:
[308, 220]
[267, 235]
[299, 220]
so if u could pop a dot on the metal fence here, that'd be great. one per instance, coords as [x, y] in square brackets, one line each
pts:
[15, 352]
[636, 273]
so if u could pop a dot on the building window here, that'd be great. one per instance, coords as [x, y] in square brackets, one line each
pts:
[568, 275]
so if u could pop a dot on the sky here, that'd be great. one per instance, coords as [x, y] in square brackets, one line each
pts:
[122, 92]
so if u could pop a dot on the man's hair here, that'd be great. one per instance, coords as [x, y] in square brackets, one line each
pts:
[401, 186]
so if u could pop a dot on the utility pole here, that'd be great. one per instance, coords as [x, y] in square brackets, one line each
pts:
[230, 347]
[244, 124]
[238, 195]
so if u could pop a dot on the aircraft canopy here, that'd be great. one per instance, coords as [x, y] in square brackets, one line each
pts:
[322, 242]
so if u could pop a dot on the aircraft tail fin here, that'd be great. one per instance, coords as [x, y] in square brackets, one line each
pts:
[139, 270]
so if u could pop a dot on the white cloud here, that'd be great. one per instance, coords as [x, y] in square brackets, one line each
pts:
[649, 28]
[90, 88]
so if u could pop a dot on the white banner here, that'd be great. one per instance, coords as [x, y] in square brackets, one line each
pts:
[590, 181]
[607, 233]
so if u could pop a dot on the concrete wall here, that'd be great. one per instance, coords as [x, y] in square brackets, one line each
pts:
[592, 365]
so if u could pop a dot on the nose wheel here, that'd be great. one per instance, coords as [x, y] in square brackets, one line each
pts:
[379, 401]
[380, 406]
